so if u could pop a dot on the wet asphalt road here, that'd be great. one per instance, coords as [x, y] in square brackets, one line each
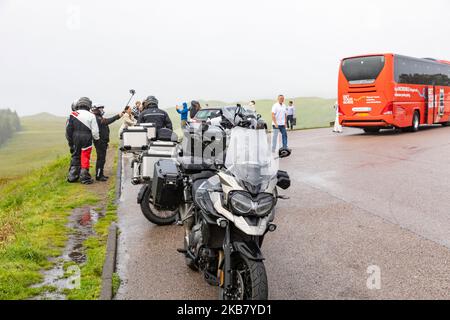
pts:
[356, 201]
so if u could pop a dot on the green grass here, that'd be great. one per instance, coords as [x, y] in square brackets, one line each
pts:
[33, 216]
[41, 141]
[311, 112]
[34, 212]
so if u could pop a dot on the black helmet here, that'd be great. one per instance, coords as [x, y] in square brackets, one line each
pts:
[150, 102]
[84, 103]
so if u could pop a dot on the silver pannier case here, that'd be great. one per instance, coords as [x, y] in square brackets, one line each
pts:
[134, 139]
[151, 130]
[158, 150]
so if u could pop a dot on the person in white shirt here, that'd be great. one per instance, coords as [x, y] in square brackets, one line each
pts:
[290, 115]
[279, 123]
[337, 126]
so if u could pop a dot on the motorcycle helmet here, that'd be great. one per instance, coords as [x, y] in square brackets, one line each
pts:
[84, 103]
[150, 102]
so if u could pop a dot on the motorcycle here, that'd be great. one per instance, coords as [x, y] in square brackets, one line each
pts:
[158, 211]
[227, 211]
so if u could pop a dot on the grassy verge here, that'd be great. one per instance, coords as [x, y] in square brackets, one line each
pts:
[33, 217]
[91, 271]
[34, 212]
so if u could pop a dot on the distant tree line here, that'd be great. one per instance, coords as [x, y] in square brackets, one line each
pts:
[9, 124]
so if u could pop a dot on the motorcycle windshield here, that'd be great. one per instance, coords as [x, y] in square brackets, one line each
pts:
[249, 157]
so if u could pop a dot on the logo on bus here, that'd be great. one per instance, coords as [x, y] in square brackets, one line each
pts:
[348, 99]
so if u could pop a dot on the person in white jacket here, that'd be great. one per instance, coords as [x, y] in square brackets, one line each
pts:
[128, 120]
[81, 128]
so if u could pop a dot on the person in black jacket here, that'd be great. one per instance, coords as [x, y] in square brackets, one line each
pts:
[81, 128]
[195, 107]
[152, 114]
[101, 145]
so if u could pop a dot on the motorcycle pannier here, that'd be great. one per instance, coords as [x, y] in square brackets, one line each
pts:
[151, 130]
[167, 185]
[158, 151]
[134, 139]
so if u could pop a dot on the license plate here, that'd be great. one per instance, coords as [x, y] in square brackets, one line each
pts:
[363, 114]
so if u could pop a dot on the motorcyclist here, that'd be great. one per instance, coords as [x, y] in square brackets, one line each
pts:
[152, 114]
[81, 128]
[101, 145]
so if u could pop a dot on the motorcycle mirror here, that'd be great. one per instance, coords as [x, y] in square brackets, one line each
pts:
[258, 116]
[132, 91]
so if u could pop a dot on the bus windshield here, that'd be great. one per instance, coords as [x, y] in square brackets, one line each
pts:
[363, 70]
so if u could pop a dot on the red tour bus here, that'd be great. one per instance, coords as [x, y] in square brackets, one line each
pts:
[393, 91]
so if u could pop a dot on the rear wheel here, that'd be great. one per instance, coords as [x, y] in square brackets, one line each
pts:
[249, 280]
[415, 122]
[154, 215]
[371, 130]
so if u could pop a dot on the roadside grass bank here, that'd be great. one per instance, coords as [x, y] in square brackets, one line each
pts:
[34, 216]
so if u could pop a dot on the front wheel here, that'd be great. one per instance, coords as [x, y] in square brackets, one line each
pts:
[154, 215]
[249, 281]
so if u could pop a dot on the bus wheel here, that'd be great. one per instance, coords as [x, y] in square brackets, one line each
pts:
[371, 130]
[445, 124]
[415, 122]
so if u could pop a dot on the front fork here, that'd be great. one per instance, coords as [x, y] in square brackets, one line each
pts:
[228, 250]
[186, 212]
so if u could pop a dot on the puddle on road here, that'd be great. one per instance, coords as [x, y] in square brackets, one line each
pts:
[81, 225]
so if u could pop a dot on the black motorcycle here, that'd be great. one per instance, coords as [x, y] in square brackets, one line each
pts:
[228, 209]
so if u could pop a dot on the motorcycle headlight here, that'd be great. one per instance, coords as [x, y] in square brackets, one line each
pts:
[241, 203]
[244, 204]
[265, 205]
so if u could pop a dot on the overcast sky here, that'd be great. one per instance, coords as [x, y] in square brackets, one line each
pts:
[53, 52]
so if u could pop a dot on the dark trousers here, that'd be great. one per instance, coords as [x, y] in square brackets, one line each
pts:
[290, 122]
[101, 147]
